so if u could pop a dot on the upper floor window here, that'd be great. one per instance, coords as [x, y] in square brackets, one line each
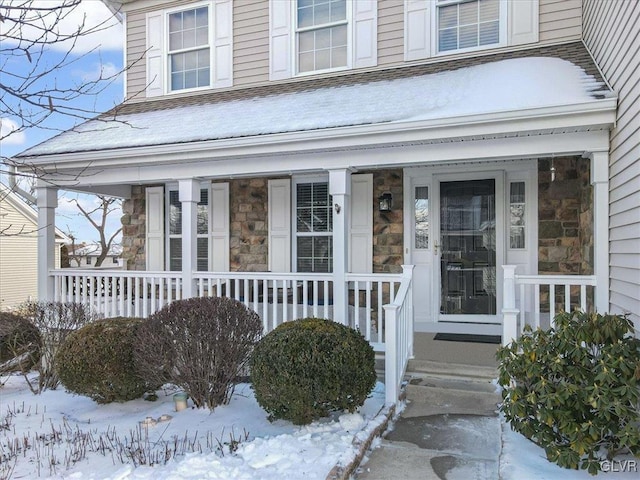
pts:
[189, 48]
[307, 36]
[321, 34]
[189, 51]
[464, 24]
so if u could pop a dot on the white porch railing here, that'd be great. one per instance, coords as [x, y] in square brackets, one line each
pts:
[276, 297]
[535, 299]
[380, 306]
[117, 293]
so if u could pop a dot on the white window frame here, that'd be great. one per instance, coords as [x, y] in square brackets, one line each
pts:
[296, 180]
[296, 31]
[502, 29]
[173, 187]
[210, 46]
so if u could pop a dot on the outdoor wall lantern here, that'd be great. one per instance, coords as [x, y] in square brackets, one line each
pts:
[384, 202]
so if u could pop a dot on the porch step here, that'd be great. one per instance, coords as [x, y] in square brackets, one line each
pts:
[442, 369]
[438, 388]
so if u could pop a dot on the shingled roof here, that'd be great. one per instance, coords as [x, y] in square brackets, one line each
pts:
[508, 81]
[574, 52]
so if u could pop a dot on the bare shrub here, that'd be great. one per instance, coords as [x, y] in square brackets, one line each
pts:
[201, 345]
[55, 321]
[19, 343]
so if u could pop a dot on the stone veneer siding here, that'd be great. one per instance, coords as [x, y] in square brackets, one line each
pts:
[388, 241]
[134, 229]
[248, 228]
[565, 216]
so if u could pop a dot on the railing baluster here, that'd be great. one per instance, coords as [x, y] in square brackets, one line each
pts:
[265, 305]
[583, 298]
[567, 297]
[367, 309]
[315, 298]
[381, 319]
[326, 299]
[305, 299]
[275, 304]
[356, 306]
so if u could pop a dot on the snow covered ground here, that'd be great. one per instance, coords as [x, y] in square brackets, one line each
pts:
[59, 435]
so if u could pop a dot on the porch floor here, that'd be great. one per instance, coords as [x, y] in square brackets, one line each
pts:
[425, 348]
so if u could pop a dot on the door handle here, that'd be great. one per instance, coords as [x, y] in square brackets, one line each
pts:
[436, 245]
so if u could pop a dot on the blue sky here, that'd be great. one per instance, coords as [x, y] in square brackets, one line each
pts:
[106, 58]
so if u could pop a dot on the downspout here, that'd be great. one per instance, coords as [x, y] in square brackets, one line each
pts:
[14, 187]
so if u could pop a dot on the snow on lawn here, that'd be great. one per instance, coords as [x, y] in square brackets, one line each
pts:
[522, 459]
[103, 432]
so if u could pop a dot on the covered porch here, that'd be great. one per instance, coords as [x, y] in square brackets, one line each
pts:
[410, 217]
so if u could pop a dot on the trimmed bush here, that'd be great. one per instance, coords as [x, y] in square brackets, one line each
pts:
[305, 369]
[97, 361]
[573, 389]
[201, 345]
[20, 343]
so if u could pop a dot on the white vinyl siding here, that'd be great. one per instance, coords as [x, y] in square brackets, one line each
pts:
[620, 64]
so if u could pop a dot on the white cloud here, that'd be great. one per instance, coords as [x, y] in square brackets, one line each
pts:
[7, 126]
[93, 14]
[100, 70]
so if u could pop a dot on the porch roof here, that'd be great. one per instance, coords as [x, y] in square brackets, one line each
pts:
[543, 77]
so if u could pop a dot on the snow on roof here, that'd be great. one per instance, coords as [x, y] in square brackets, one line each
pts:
[506, 85]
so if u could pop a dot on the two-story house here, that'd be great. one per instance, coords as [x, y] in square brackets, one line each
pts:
[297, 154]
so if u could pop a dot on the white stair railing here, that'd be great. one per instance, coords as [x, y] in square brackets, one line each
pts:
[399, 336]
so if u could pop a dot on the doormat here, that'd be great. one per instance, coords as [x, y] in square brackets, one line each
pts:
[466, 337]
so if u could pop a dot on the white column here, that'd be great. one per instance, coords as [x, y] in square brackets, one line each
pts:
[47, 201]
[189, 196]
[600, 182]
[340, 190]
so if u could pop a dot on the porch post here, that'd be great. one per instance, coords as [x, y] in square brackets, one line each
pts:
[600, 182]
[47, 201]
[189, 196]
[340, 190]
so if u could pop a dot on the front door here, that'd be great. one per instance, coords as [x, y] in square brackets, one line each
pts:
[467, 251]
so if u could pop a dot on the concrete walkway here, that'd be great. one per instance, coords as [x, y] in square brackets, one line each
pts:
[449, 429]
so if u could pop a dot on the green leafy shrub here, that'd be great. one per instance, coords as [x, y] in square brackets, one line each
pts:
[97, 361]
[201, 345]
[307, 368]
[20, 343]
[573, 389]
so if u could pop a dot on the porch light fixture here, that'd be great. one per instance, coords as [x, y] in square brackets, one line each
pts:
[384, 202]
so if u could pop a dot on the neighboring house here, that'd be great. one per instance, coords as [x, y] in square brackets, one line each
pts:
[19, 249]
[296, 155]
[86, 256]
